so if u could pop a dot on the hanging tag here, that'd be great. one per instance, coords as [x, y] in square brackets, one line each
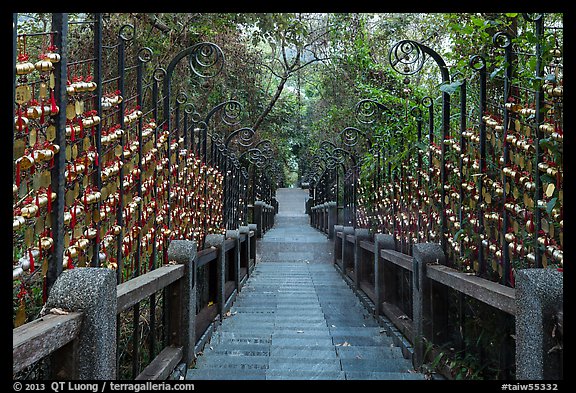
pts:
[51, 133]
[43, 91]
[45, 179]
[22, 94]
[78, 107]
[20, 314]
[19, 146]
[32, 137]
[52, 80]
[70, 111]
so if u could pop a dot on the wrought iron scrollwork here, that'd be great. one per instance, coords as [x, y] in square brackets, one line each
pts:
[206, 60]
[427, 101]
[127, 32]
[368, 111]
[349, 136]
[181, 98]
[416, 112]
[159, 74]
[245, 136]
[502, 40]
[477, 63]
[406, 57]
[145, 55]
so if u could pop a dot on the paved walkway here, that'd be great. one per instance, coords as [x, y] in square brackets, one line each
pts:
[296, 318]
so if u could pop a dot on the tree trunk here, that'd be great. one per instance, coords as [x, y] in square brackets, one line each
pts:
[272, 102]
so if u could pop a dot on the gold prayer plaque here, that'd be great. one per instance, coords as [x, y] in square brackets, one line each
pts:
[51, 133]
[70, 111]
[19, 147]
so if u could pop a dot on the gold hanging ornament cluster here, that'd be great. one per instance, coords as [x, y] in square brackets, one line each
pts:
[34, 152]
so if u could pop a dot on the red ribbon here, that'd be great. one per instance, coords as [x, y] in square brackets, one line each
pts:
[53, 107]
[31, 260]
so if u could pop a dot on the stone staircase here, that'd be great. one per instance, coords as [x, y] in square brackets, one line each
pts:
[296, 318]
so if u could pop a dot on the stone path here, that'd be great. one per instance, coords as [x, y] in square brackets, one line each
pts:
[296, 318]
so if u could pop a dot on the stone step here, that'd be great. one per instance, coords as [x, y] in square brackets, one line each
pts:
[218, 374]
[369, 352]
[304, 375]
[377, 364]
[388, 376]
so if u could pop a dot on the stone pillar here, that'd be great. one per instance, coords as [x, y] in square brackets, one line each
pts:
[539, 299]
[332, 218]
[245, 251]
[184, 252]
[258, 211]
[381, 242]
[337, 243]
[347, 249]
[360, 234]
[91, 291]
[423, 254]
[252, 254]
[217, 240]
[235, 234]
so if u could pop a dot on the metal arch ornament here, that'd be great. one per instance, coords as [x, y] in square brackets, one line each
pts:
[349, 136]
[406, 57]
[206, 56]
[411, 57]
[230, 112]
[195, 52]
[245, 140]
[368, 111]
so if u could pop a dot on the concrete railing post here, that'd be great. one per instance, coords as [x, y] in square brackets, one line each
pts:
[359, 234]
[337, 244]
[381, 278]
[332, 218]
[91, 291]
[258, 219]
[217, 240]
[539, 299]
[423, 254]
[184, 252]
[245, 250]
[252, 254]
[235, 234]
[347, 249]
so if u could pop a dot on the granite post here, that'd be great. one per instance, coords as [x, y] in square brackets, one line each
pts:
[253, 228]
[91, 291]
[381, 241]
[347, 249]
[539, 302]
[258, 219]
[332, 218]
[245, 250]
[337, 244]
[235, 234]
[359, 235]
[423, 254]
[184, 302]
[217, 241]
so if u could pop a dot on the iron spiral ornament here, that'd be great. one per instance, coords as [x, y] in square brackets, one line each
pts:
[406, 57]
[206, 60]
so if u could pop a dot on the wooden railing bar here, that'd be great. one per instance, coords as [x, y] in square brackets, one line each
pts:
[139, 288]
[41, 337]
